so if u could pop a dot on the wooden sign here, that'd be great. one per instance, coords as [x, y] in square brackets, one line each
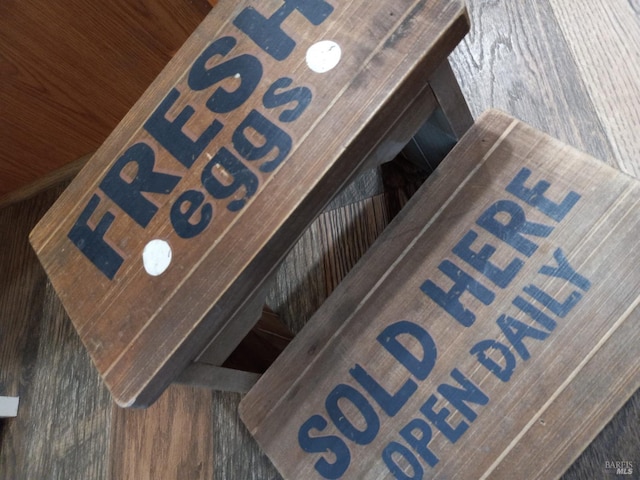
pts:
[490, 332]
[172, 229]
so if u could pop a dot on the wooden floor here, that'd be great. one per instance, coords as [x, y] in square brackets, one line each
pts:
[571, 71]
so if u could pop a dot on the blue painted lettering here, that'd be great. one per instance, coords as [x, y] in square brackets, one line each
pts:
[515, 331]
[480, 261]
[417, 433]
[338, 416]
[225, 175]
[512, 232]
[439, 420]
[565, 271]
[508, 360]
[127, 192]
[390, 456]
[300, 95]
[183, 211]
[245, 69]
[271, 137]
[267, 33]
[535, 196]
[92, 243]
[390, 404]
[419, 368]
[559, 309]
[328, 444]
[170, 134]
[536, 314]
[450, 301]
[459, 397]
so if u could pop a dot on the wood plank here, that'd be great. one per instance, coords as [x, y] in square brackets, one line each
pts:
[330, 385]
[244, 460]
[608, 60]
[516, 59]
[172, 439]
[62, 430]
[220, 379]
[387, 59]
[596, 398]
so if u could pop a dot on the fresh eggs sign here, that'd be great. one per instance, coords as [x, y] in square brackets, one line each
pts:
[177, 134]
[173, 227]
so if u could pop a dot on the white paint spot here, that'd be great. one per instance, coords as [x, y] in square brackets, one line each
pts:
[156, 257]
[323, 56]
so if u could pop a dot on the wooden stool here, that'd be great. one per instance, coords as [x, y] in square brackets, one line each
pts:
[162, 248]
[491, 330]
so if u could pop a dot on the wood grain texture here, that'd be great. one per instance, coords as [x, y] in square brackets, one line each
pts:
[518, 59]
[590, 331]
[64, 416]
[389, 55]
[318, 262]
[172, 439]
[71, 70]
[604, 64]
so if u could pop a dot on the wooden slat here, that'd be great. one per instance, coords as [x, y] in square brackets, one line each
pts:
[387, 57]
[217, 378]
[596, 398]
[498, 431]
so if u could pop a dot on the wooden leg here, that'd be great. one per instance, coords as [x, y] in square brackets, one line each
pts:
[451, 100]
[217, 378]
[445, 126]
[244, 366]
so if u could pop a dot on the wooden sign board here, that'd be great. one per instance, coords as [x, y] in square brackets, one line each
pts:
[265, 113]
[490, 332]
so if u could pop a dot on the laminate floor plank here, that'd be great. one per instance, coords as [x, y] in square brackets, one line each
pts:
[63, 423]
[608, 60]
[516, 59]
[172, 439]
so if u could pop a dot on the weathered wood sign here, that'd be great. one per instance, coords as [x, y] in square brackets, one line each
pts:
[172, 229]
[490, 332]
